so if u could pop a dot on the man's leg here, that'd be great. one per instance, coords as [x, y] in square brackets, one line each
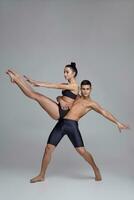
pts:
[45, 161]
[53, 140]
[77, 141]
[88, 157]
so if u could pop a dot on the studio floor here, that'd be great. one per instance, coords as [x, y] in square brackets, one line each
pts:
[70, 182]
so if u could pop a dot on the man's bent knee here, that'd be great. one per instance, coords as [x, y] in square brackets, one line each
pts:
[49, 148]
[80, 150]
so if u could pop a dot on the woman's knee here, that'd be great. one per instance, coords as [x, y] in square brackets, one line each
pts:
[81, 150]
[35, 96]
[31, 94]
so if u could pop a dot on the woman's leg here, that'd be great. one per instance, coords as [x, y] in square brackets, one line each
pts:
[45, 161]
[88, 157]
[46, 103]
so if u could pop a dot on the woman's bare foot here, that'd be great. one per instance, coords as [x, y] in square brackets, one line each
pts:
[37, 179]
[14, 75]
[97, 175]
[11, 75]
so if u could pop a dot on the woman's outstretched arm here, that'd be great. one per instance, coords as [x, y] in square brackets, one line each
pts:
[62, 86]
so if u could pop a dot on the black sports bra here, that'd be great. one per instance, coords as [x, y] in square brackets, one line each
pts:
[68, 93]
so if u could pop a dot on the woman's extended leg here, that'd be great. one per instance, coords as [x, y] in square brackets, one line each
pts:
[45, 161]
[46, 103]
[88, 157]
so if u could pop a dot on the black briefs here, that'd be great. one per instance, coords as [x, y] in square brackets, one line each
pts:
[66, 127]
[62, 112]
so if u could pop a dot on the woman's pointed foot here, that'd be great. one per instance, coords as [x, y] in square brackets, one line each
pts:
[14, 72]
[11, 75]
[14, 75]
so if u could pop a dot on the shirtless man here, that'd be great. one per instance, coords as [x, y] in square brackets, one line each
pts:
[69, 125]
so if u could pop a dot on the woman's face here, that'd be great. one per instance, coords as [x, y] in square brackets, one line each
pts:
[68, 73]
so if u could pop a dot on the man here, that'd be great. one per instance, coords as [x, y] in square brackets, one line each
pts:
[69, 125]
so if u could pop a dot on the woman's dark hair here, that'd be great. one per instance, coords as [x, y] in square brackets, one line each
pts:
[73, 67]
[86, 82]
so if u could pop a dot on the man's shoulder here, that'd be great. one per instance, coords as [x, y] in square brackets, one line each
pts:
[92, 102]
[89, 101]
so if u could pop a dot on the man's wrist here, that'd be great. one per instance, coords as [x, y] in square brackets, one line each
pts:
[117, 122]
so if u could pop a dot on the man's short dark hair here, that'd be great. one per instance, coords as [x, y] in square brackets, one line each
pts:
[86, 82]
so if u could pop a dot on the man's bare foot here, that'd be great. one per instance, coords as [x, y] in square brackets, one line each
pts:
[37, 179]
[97, 175]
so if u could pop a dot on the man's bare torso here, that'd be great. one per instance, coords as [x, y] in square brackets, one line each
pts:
[79, 108]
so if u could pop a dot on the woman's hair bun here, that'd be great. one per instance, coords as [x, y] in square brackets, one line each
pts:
[73, 64]
[73, 67]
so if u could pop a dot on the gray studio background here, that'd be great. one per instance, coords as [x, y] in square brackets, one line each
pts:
[38, 38]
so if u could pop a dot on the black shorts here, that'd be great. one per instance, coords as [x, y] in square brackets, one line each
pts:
[66, 127]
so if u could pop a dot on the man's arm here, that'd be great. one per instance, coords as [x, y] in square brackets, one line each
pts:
[64, 105]
[95, 106]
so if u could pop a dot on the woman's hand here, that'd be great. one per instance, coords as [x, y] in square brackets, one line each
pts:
[32, 82]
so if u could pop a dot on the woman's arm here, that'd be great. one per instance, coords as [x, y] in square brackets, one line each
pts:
[62, 86]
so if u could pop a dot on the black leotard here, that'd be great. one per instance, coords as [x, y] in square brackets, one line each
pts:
[68, 93]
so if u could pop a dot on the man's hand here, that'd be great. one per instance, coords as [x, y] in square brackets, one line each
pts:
[122, 126]
[59, 98]
[62, 103]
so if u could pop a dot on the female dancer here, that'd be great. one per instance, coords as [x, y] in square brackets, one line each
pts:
[69, 91]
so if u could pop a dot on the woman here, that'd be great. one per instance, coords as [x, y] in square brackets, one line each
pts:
[70, 91]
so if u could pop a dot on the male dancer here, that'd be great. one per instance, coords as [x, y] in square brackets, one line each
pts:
[69, 125]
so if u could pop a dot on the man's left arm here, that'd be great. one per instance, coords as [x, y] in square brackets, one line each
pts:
[95, 106]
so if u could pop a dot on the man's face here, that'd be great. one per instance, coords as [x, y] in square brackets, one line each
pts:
[85, 90]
